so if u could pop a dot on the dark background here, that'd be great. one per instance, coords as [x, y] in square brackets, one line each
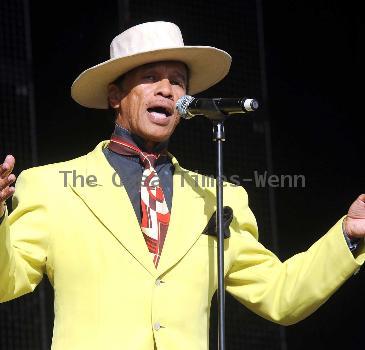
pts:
[312, 57]
[313, 96]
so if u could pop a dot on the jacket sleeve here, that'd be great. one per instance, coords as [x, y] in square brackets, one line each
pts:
[23, 239]
[287, 292]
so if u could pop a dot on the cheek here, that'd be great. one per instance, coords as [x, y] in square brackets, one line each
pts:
[133, 107]
[139, 104]
[177, 119]
[179, 92]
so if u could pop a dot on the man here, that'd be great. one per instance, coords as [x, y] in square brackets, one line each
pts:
[130, 265]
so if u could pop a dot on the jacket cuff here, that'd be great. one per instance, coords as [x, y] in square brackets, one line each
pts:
[351, 243]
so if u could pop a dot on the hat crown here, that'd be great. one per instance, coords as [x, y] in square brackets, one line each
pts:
[145, 37]
[147, 43]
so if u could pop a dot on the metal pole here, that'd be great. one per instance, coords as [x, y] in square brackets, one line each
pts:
[219, 137]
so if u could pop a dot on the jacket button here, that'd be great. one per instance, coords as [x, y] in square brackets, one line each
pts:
[156, 326]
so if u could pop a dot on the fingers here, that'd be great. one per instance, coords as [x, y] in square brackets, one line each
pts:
[5, 183]
[362, 197]
[6, 193]
[7, 167]
[7, 178]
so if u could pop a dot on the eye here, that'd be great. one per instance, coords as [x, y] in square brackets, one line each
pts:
[149, 77]
[177, 82]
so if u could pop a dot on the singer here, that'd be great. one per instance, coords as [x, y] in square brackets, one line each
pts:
[130, 265]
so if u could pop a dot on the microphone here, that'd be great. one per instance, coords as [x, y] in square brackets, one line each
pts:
[213, 108]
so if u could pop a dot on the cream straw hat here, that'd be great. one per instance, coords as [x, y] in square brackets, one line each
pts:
[146, 43]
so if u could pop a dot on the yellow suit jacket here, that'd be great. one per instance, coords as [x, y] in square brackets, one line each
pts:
[109, 295]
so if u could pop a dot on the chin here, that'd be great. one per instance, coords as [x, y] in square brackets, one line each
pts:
[156, 137]
[158, 134]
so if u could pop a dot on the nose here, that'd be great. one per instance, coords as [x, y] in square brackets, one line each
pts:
[164, 88]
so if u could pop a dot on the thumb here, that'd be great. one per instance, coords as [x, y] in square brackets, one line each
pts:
[362, 197]
[357, 209]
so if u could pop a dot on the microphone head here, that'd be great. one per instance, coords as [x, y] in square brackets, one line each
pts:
[182, 106]
[250, 104]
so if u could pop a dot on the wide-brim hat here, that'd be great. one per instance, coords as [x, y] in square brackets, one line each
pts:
[147, 43]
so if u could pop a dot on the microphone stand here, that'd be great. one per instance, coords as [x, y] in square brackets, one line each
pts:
[218, 118]
[219, 138]
[209, 108]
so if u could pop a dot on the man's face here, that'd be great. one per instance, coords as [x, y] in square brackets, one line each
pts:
[147, 99]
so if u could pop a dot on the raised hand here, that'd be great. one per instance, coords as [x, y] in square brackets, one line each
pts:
[355, 219]
[6, 179]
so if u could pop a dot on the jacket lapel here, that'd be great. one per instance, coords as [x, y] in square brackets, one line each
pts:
[189, 215]
[110, 203]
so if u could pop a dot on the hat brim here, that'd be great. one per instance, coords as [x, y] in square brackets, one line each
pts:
[207, 66]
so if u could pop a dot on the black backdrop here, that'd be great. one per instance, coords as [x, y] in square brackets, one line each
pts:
[312, 69]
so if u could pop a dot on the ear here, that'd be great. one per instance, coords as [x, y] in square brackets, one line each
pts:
[114, 95]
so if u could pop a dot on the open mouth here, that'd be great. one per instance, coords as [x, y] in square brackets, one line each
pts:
[159, 112]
